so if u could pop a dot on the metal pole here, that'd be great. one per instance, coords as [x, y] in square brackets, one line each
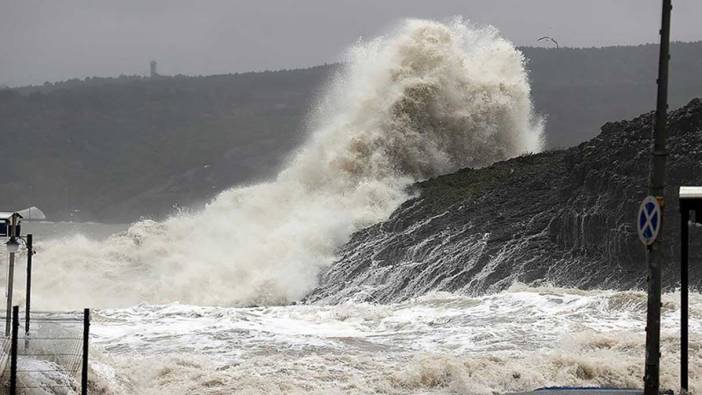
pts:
[28, 298]
[13, 350]
[10, 278]
[86, 336]
[655, 253]
[684, 251]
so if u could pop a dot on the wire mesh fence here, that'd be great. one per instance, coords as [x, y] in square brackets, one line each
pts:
[5, 350]
[49, 357]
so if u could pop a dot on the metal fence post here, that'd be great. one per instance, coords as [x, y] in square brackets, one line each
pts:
[28, 299]
[13, 350]
[86, 336]
[684, 250]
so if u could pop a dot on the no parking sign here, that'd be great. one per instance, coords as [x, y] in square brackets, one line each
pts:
[649, 220]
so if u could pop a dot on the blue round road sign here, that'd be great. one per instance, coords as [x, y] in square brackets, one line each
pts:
[648, 222]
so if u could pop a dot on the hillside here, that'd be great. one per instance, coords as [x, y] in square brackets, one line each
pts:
[581, 89]
[564, 217]
[116, 149]
[112, 150]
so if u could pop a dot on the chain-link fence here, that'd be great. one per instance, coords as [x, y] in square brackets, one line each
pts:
[50, 358]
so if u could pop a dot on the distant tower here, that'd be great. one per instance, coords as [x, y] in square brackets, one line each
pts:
[153, 73]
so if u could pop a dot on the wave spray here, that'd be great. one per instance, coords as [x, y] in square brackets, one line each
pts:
[426, 99]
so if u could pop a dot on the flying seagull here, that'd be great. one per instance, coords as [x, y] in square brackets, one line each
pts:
[551, 39]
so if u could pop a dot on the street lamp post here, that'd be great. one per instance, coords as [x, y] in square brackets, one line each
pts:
[12, 248]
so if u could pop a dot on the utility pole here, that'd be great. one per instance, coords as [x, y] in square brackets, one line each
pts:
[655, 253]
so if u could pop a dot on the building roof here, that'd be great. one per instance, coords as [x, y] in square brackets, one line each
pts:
[5, 215]
[690, 193]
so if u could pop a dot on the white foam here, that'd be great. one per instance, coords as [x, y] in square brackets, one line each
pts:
[517, 340]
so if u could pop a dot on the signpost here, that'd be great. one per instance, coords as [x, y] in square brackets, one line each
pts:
[655, 253]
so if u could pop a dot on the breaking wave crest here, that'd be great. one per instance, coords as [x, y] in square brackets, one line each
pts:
[426, 99]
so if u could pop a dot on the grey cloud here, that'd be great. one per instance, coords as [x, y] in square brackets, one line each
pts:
[56, 40]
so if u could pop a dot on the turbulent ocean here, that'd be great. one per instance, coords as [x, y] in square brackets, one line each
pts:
[520, 339]
[207, 302]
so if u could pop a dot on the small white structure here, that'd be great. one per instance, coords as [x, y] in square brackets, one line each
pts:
[32, 214]
[28, 214]
[690, 193]
[6, 219]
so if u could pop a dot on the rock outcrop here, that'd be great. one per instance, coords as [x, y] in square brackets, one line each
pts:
[563, 217]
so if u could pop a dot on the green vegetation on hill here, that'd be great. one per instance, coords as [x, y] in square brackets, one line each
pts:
[115, 149]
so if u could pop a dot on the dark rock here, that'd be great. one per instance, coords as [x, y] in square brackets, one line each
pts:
[561, 217]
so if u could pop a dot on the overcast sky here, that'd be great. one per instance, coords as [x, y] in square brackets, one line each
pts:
[55, 40]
